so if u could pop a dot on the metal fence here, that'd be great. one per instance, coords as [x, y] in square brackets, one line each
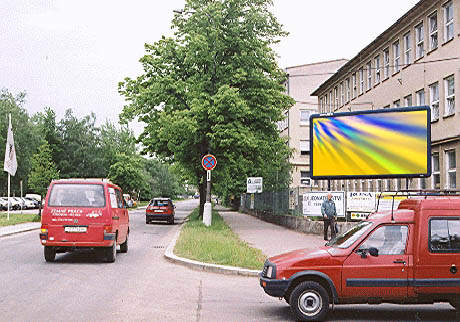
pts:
[283, 202]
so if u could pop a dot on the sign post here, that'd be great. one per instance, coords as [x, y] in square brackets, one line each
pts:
[208, 162]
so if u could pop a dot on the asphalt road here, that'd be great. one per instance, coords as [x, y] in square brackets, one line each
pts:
[142, 286]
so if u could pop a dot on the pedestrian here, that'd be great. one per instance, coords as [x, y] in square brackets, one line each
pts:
[329, 213]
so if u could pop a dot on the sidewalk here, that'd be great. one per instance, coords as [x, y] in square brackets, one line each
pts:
[19, 228]
[269, 238]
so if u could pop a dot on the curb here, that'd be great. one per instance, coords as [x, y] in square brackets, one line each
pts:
[221, 269]
[17, 232]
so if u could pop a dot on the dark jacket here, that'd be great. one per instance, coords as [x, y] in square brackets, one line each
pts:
[328, 208]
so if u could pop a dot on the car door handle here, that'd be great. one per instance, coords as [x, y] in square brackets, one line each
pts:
[399, 261]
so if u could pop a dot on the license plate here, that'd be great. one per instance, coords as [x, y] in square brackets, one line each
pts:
[75, 229]
[158, 210]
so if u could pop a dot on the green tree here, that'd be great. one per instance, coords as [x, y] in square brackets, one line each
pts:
[26, 139]
[43, 170]
[126, 172]
[162, 182]
[215, 87]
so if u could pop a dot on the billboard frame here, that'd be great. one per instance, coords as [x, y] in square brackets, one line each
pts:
[377, 111]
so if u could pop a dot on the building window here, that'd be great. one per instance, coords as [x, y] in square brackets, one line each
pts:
[370, 185]
[387, 184]
[386, 63]
[348, 90]
[420, 97]
[422, 183]
[451, 169]
[305, 178]
[342, 95]
[396, 57]
[283, 124]
[407, 48]
[331, 102]
[304, 117]
[434, 101]
[326, 104]
[336, 95]
[433, 24]
[379, 185]
[408, 100]
[304, 147]
[369, 75]
[448, 21]
[353, 77]
[435, 173]
[419, 37]
[450, 95]
[397, 103]
[377, 69]
[361, 81]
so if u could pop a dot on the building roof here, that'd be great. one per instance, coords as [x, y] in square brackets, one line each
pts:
[383, 37]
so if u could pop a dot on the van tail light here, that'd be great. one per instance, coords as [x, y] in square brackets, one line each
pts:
[107, 228]
[44, 232]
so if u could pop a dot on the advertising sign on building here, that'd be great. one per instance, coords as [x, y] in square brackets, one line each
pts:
[312, 202]
[385, 201]
[361, 201]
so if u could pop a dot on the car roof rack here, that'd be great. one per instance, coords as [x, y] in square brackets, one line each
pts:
[416, 192]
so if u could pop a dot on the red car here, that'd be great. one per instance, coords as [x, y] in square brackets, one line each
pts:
[410, 256]
[82, 214]
[160, 209]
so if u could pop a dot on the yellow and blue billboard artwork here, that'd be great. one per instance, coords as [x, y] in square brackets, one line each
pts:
[371, 144]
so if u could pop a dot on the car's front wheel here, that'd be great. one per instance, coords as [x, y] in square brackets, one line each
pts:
[309, 301]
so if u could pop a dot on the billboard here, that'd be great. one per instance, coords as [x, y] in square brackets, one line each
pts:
[385, 143]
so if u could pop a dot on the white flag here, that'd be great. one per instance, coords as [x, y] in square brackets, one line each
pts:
[11, 164]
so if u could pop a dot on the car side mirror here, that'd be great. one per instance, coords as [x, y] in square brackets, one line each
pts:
[373, 252]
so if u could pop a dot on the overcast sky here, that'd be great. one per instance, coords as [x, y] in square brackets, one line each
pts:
[72, 54]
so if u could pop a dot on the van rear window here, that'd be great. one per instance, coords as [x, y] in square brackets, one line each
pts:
[77, 195]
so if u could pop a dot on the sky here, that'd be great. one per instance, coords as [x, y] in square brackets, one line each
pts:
[72, 54]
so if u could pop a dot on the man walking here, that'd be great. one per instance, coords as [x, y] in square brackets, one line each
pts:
[329, 213]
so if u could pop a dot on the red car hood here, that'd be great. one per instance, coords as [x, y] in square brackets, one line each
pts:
[319, 256]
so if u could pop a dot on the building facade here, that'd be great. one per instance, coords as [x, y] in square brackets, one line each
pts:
[415, 62]
[302, 80]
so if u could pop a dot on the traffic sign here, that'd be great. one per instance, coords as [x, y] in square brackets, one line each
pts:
[254, 185]
[209, 162]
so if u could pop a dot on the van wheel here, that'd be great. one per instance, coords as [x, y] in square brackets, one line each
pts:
[124, 246]
[309, 301]
[111, 252]
[147, 221]
[50, 254]
[171, 221]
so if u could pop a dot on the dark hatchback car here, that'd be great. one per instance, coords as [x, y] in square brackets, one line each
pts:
[160, 209]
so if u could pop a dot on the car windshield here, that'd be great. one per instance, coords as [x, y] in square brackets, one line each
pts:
[159, 203]
[77, 195]
[348, 238]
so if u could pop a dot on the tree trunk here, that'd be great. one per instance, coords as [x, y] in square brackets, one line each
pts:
[202, 188]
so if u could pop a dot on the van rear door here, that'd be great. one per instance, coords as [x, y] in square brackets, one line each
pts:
[76, 212]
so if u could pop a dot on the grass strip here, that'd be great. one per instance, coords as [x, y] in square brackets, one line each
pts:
[16, 218]
[216, 244]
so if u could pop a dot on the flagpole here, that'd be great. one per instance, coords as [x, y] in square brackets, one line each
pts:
[9, 177]
[9, 195]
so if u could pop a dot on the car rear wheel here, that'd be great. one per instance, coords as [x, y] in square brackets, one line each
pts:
[455, 303]
[124, 246]
[309, 301]
[111, 252]
[50, 254]
[147, 221]
[171, 221]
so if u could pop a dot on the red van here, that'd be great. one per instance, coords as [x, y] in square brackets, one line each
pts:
[84, 213]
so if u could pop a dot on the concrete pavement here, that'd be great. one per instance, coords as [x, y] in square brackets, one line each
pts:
[19, 228]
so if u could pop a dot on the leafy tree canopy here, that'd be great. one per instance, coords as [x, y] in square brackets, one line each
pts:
[43, 170]
[214, 87]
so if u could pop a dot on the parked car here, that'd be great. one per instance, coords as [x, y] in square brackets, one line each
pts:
[160, 209]
[84, 214]
[128, 200]
[3, 204]
[28, 203]
[410, 256]
[14, 204]
[35, 204]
